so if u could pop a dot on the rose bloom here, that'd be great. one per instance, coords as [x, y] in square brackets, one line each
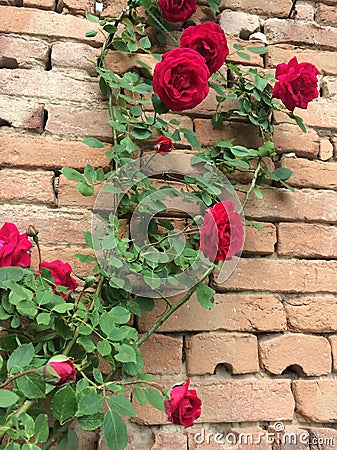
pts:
[221, 235]
[61, 273]
[297, 83]
[210, 41]
[184, 406]
[164, 145]
[177, 10]
[59, 372]
[14, 247]
[181, 79]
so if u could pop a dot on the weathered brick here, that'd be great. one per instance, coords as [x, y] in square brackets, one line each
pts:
[260, 242]
[243, 133]
[324, 60]
[289, 438]
[315, 400]
[307, 240]
[19, 186]
[249, 437]
[205, 351]
[48, 85]
[121, 62]
[329, 87]
[268, 8]
[302, 205]
[288, 139]
[322, 438]
[325, 150]
[18, 150]
[34, 22]
[304, 11]
[311, 174]
[233, 57]
[112, 8]
[72, 121]
[169, 441]
[312, 314]
[281, 275]
[20, 113]
[76, 6]
[235, 401]
[68, 195]
[73, 55]
[238, 23]
[311, 353]
[162, 354]
[326, 15]
[20, 53]
[41, 4]
[231, 312]
[291, 31]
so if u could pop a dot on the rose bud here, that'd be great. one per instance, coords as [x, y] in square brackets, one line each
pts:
[32, 231]
[184, 406]
[164, 145]
[59, 370]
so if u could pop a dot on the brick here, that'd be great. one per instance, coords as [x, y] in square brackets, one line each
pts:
[255, 60]
[76, 6]
[22, 54]
[19, 186]
[207, 350]
[290, 438]
[68, 195]
[307, 240]
[20, 113]
[312, 314]
[74, 56]
[226, 401]
[41, 4]
[48, 85]
[334, 145]
[307, 205]
[282, 275]
[231, 312]
[239, 24]
[112, 8]
[325, 150]
[121, 62]
[289, 139]
[42, 152]
[324, 60]
[34, 22]
[315, 400]
[311, 353]
[322, 438]
[169, 441]
[243, 134]
[268, 8]
[326, 15]
[71, 121]
[63, 253]
[139, 438]
[329, 87]
[249, 437]
[311, 174]
[304, 11]
[260, 242]
[291, 31]
[162, 354]
[333, 339]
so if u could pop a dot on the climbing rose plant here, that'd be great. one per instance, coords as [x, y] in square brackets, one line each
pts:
[57, 328]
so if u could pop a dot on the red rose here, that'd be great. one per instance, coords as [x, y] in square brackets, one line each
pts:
[297, 83]
[164, 145]
[58, 371]
[221, 235]
[177, 10]
[210, 41]
[61, 273]
[181, 79]
[184, 406]
[14, 247]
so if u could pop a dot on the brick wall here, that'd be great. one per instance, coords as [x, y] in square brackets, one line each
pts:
[267, 351]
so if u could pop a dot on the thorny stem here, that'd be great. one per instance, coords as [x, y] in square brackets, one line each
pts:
[252, 186]
[15, 377]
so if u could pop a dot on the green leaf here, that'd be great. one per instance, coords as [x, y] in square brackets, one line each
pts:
[104, 348]
[72, 174]
[146, 3]
[64, 404]
[114, 431]
[141, 133]
[282, 173]
[63, 307]
[117, 126]
[158, 105]
[41, 428]
[91, 18]
[91, 33]
[85, 189]
[125, 354]
[90, 423]
[32, 386]
[69, 441]
[140, 396]
[11, 274]
[87, 343]
[12, 446]
[28, 424]
[205, 295]
[244, 56]
[258, 193]
[21, 357]
[43, 319]
[93, 142]
[155, 398]
[90, 173]
[120, 315]
[258, 50]
[122, 405]
[30, 446]
[7, 398]
[145, 42]
[90, 404]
